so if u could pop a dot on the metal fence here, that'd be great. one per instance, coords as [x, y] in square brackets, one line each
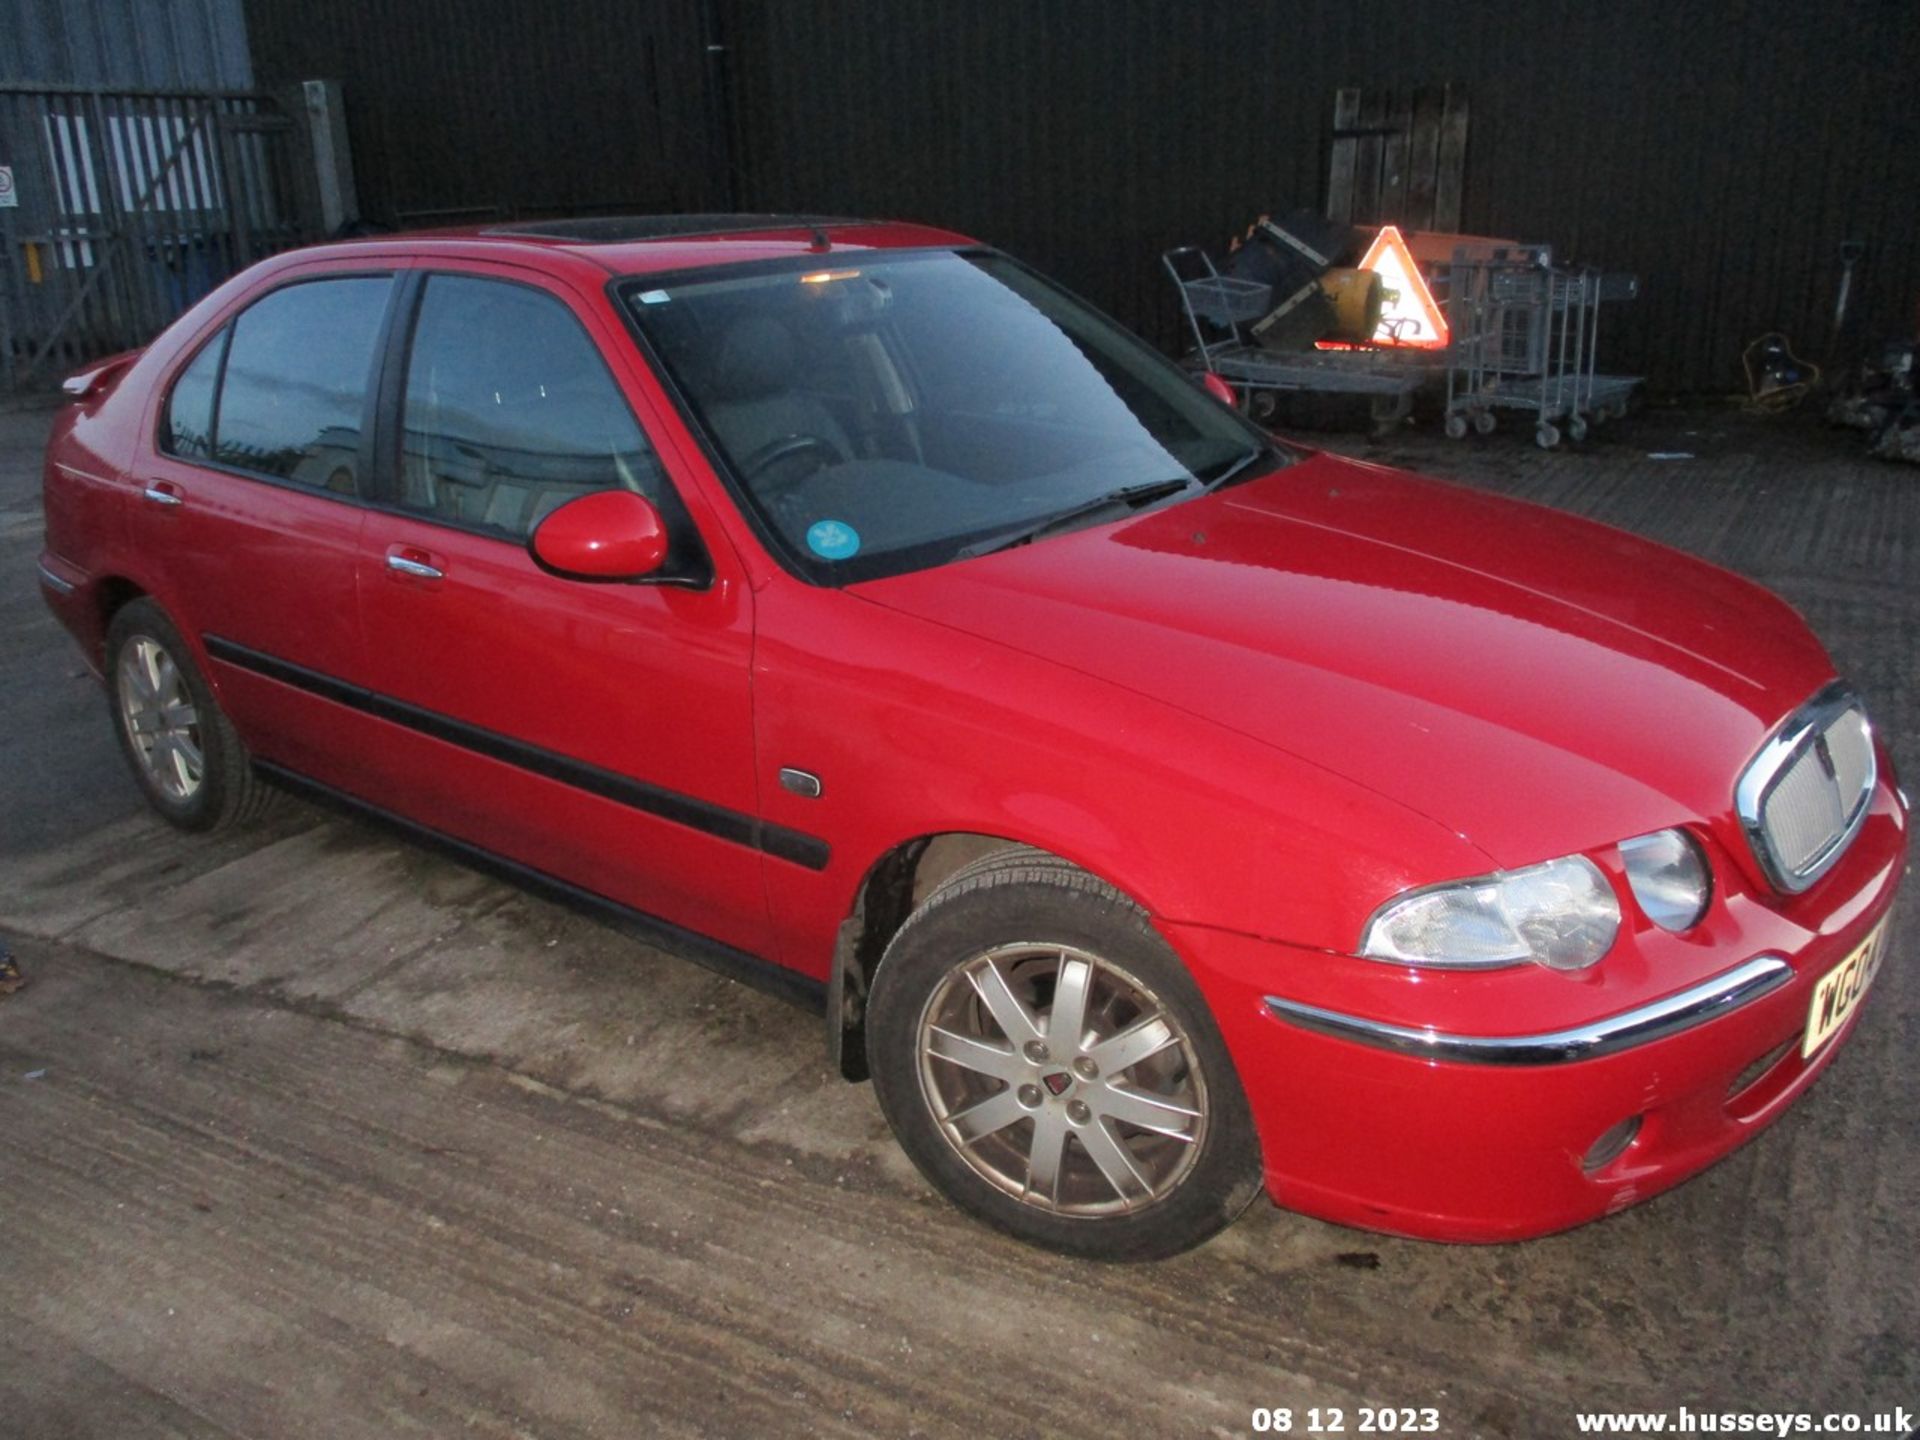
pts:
[126, 207]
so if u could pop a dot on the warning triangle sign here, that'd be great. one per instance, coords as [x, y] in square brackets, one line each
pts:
[1408, 316]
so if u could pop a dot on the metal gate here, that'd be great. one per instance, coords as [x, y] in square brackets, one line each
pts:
[127, 206]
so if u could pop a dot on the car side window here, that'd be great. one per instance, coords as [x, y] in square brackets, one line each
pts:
[187, 428]
[295, 388]
[510, 411]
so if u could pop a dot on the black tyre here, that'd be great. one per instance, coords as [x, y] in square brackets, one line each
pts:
[182, 749]
[1050, 1066]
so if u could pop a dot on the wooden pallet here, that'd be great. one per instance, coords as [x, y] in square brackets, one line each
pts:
[1399, 157]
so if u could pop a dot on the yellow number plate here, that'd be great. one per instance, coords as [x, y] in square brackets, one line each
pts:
[1840, 991]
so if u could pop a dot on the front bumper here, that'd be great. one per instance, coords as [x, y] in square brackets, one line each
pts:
[1441, 1106]
[1608, 1035]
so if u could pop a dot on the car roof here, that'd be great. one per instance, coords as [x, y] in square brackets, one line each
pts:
[623, 229]
[649, 244]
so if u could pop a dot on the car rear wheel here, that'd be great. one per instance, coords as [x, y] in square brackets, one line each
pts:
[183, 751]
[1049, 1065]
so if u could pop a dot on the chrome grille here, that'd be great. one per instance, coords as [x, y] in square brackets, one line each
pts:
[1850, 744]
[1803, 813]
[1806, 793]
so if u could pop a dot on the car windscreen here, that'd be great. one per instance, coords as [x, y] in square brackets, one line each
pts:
[884, 413]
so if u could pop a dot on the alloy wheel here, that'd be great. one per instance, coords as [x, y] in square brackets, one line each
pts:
[1062, 1080]
[161, 719]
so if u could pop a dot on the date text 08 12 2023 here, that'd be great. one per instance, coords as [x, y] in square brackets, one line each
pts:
[1334, 1420]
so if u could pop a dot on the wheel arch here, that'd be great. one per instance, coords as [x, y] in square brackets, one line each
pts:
[107, 596]
[894, 885]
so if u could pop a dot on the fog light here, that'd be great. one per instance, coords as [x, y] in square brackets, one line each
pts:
[1611, 1146]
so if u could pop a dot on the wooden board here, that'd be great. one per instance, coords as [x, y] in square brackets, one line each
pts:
[1346, 115]
[1450, 169]
[1366, 165]
[1423, 156]
[1398, 107]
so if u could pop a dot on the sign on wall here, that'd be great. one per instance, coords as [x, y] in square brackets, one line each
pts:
[9, 196]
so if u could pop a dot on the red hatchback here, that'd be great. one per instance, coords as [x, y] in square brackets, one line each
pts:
[1156, 811]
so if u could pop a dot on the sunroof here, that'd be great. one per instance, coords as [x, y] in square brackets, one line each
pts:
[616, 229]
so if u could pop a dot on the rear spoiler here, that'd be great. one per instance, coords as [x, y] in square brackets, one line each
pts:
[99, 377]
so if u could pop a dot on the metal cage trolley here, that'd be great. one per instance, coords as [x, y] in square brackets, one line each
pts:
[1222, 304]
[1526, 336]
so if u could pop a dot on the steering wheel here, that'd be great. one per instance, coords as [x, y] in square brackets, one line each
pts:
[786, 448]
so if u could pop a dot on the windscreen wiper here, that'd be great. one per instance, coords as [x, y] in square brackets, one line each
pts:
[1128, 498]
[1238, 467]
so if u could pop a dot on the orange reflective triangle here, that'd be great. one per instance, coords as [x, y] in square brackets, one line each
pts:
[1408, 316]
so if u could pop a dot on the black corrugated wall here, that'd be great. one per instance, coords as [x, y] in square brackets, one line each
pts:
[459, 109]
[1723, 151]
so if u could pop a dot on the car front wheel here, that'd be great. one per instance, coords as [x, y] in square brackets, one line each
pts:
[1050, 1066]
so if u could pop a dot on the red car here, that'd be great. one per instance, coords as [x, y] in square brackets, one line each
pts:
[1156, 811]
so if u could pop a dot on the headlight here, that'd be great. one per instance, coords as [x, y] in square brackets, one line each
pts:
[1561, 914]
[1669, 877]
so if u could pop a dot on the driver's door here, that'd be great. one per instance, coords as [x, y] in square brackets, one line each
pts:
[600, 733]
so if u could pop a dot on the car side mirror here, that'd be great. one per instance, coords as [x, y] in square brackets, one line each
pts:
[1220, 390]
[608, 535]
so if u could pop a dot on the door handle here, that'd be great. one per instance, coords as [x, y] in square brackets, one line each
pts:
[412, 561]
[419, 569]
[164, 492]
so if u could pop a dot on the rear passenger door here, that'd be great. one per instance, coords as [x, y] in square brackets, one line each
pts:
[600, 733]
[253, 502]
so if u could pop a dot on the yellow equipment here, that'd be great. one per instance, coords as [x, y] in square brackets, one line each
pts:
[1357, 297]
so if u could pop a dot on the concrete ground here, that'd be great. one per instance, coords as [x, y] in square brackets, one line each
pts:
[307, 1133]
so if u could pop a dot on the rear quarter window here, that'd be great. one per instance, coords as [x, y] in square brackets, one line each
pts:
[186, 429]
[299, 364]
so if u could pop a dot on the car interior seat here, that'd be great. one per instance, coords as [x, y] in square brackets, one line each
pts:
[752, 373]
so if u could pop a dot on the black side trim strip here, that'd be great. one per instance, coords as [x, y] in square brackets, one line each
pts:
[288, 673]
[794, 846]
[749, 969]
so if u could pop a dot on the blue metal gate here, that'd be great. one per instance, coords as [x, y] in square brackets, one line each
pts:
[128, 206]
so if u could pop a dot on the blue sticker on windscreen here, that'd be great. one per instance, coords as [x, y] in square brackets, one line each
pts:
[833, 539]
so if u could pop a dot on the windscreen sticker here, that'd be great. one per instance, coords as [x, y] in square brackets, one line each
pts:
[833, 539]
